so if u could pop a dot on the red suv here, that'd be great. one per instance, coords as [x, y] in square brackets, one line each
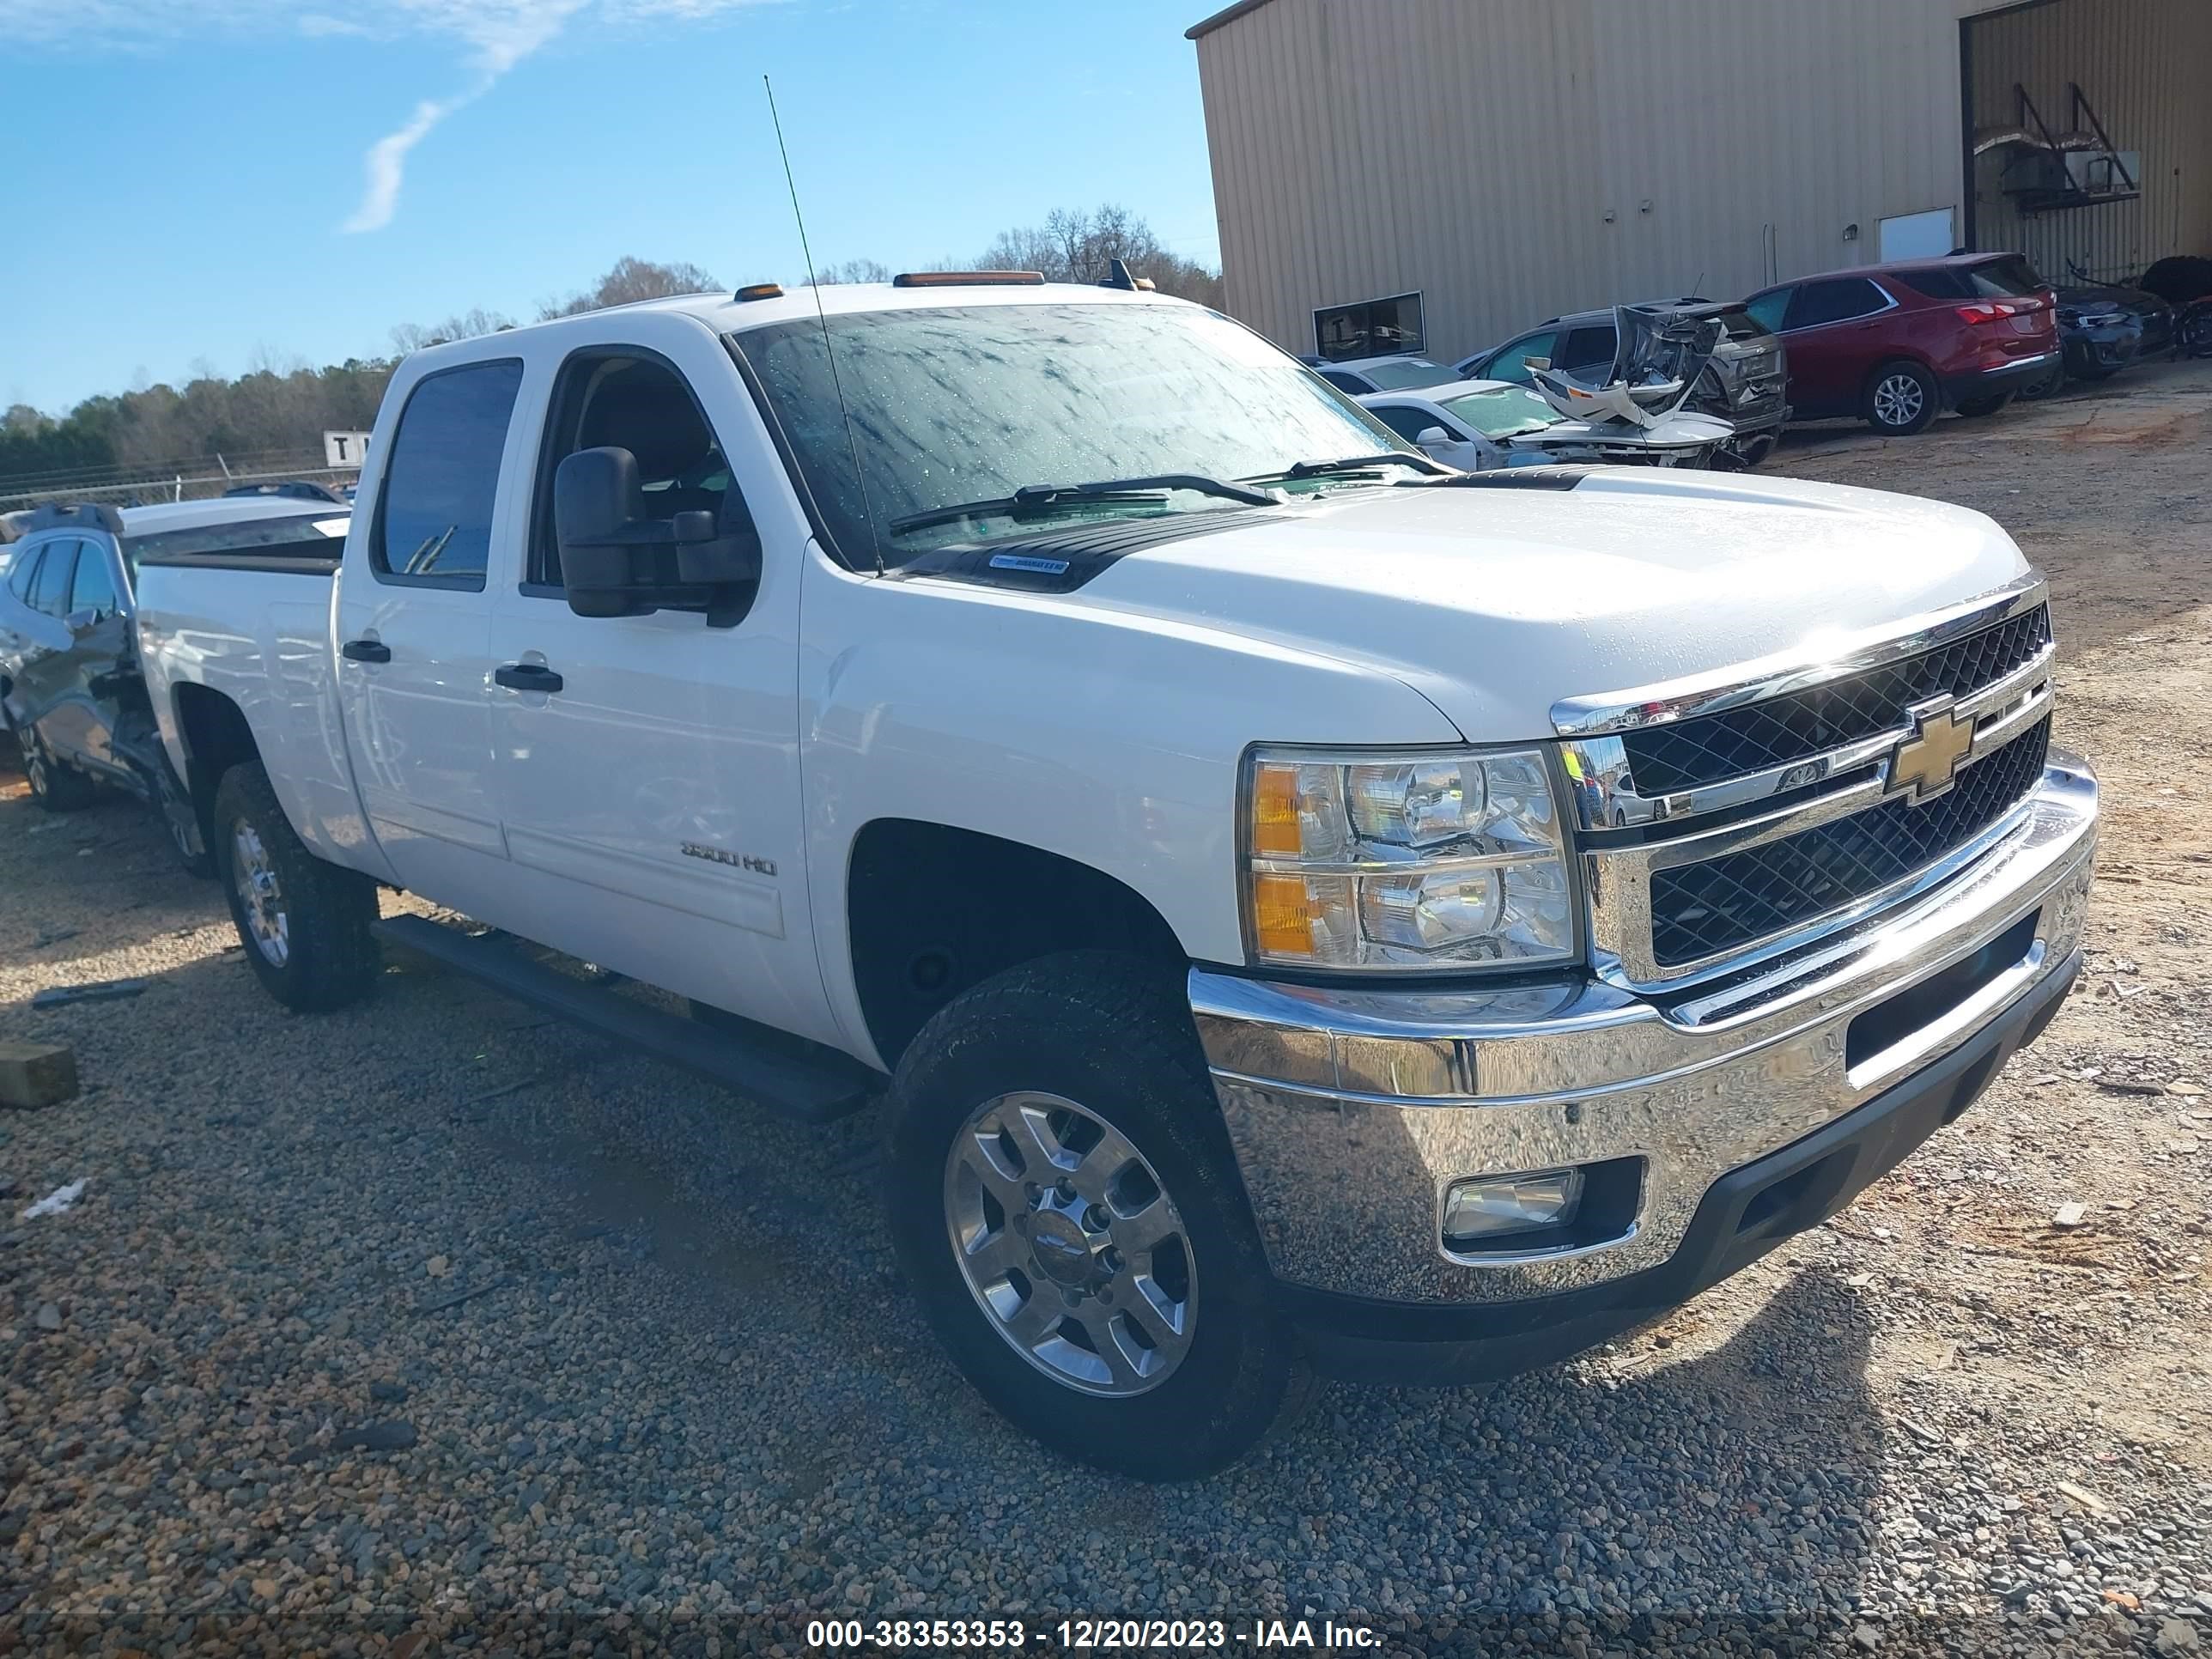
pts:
[1898, 344]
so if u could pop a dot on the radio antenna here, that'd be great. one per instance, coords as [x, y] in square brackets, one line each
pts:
[822, 316]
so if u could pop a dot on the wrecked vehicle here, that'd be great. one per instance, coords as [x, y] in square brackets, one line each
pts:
[1744, 384]
[1657, 361]
[1308, 909]
[1478, 425]
[70, 690]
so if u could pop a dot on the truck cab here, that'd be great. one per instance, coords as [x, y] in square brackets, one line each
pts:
[1305, 909]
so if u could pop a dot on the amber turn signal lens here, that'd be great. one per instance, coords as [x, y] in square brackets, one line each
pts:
[1275, 813]
[1282, 915]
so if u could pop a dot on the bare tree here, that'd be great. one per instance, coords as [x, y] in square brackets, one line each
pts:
[631, 280]
[464, 325]
[855, 270]
[1079, 246]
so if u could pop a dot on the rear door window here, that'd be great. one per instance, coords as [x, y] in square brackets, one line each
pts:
[434, 526]
[50, 594]
[1836, 300]
[1512, 363]
[93, 590]
[1587, 348]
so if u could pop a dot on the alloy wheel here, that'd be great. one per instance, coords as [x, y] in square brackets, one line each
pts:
[1899, 399]
[260, 895]
[1073, 1249]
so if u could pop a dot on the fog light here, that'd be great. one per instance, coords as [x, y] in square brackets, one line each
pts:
[1498, 1204]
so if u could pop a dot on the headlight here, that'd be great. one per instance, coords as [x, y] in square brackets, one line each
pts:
[1410, 862]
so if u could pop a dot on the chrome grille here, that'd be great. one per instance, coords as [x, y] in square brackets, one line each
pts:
[1686, 754]
[1707, 909]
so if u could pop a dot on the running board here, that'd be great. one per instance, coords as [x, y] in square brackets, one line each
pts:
[814, 1088]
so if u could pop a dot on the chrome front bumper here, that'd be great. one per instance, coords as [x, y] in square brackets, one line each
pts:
[1351, 1112]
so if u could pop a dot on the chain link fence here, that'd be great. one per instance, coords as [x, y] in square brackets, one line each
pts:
[176, 481]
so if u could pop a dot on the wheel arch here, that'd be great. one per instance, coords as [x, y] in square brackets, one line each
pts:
[214, 735]
[932, 910]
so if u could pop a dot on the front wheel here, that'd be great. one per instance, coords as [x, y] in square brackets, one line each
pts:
[305, 924]
[1063, 1201]
[1901, 399]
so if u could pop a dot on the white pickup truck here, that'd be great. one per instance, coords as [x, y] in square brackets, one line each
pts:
[1311, 911]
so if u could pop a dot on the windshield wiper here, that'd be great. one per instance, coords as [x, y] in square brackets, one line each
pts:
[1344, 464]
[1040, 498]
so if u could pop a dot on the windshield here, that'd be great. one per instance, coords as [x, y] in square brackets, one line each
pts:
[1503, 412]
[1404, 376]
[307, 535]
[971, 404]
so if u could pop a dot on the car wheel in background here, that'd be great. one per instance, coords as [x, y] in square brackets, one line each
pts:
[2048, 386]
[1063, 1201]
[1901, 399]
[1974, 408]
[55, 784]
[182, 820]
[305, 924]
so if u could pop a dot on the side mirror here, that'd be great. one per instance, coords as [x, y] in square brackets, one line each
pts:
[1432, 437]
[81, 620]
[616, 563]
[1536, 362]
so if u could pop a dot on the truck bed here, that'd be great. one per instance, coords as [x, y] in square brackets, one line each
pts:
[255, 628]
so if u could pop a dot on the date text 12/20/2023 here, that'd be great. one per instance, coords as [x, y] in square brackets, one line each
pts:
[1083, 1635]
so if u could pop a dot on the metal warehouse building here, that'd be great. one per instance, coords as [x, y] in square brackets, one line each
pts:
[1433, 174]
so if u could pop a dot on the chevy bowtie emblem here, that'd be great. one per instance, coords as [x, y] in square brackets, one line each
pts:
[1924, 763]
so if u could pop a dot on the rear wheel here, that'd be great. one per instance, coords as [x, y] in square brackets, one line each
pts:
[1902, 399]
[181, 819]
[2048, 386]
[1064, 1200]
[55, 784]
[1978, 407]
[305, 924]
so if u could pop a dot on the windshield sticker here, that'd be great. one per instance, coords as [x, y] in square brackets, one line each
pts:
[1029, 562]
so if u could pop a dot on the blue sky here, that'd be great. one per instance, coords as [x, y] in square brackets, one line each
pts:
[188, 181]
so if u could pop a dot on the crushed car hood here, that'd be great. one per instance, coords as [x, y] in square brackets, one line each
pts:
[1495, 603]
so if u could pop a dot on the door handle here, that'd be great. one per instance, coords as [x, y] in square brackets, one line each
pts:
[526, 676]
[365, 651]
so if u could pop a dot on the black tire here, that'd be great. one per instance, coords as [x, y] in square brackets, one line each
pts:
[2049, 386]
[1902, 399]
[55, 784]
[1113, 1033]
[181, 819]
[2089, 371]
[329, 957]
[1976, 408]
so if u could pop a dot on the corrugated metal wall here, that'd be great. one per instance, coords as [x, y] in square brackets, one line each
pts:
[1513, 159]
[2146, 66]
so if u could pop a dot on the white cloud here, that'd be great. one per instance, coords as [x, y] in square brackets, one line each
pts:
[386, 162]
[497, 34]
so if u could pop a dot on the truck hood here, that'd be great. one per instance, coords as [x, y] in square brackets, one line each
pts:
[1497, 602]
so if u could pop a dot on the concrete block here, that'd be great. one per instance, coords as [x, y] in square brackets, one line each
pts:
[36, 1074]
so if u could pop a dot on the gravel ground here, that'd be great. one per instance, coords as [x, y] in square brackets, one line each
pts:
[432, 1327]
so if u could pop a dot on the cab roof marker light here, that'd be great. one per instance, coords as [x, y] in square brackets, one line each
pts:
[969, 279]
[760, 291]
